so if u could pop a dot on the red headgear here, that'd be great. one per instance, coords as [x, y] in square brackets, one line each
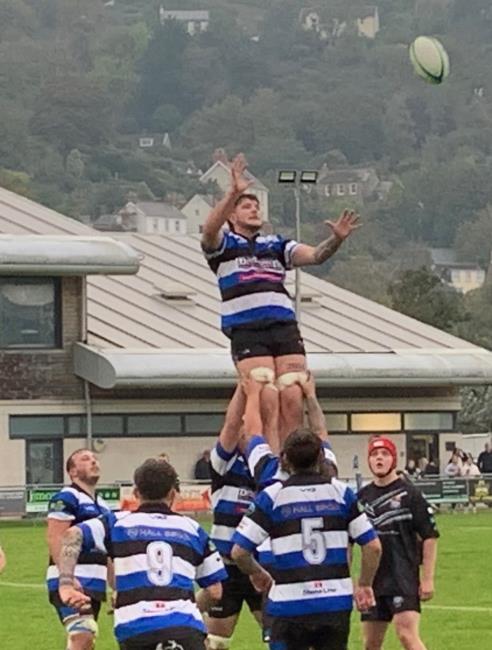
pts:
[381, 442]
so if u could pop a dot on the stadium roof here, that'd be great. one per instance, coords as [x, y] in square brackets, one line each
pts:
[167, 317]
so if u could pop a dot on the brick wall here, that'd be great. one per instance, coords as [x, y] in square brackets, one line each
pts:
[36, 374]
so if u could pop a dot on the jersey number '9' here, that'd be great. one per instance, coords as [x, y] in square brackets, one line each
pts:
[313, 542]
[160, 563]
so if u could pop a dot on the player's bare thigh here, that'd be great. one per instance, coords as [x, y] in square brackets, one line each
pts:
[407, 626]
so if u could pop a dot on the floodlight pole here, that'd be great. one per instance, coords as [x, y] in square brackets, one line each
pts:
[297, 196]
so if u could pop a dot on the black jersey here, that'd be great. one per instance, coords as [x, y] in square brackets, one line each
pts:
[402, 518]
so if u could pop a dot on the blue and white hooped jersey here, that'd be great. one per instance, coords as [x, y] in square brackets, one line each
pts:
[309, 520]
[251, 275]
[74, 505]
[158, 555]
[232, 494]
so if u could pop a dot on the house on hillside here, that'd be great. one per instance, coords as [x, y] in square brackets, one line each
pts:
[330, 24]
[194, 21]
[219, 173]
[146, 217]
[133, 365]
[462, 276]
[196, 211]
[356, 183]
[152, 141]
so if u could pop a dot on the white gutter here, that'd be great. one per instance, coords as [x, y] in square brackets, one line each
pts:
[44, 255]
[122, 368]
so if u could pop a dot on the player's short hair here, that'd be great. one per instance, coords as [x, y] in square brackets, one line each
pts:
[154, 479]
[247, 195]
[302, 449]
[70, 464]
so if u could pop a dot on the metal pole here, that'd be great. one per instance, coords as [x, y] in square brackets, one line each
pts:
[88, 415]
[297, 195]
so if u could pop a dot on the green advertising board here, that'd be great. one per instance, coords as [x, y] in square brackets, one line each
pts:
[38, 498]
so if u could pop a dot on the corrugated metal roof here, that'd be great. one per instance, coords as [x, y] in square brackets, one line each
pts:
[126, 312]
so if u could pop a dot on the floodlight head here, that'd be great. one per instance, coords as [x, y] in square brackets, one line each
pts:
[309, 177]
[287, 176]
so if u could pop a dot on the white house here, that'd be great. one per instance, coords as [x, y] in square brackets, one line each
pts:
[194, 21]
[146, 217]
[462, 276]
[220, 173]
[196, 211]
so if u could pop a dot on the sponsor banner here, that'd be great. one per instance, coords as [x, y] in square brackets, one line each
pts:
[480, 490]
[12, 501]
[454, 490]
[37, 499]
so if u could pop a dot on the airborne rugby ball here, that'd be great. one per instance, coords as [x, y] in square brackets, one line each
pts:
[429, 59]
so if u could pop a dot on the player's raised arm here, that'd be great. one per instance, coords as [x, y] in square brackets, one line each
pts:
[211, 233]
[316, 417]
[304, 255]
[230, 433]
[71, 546]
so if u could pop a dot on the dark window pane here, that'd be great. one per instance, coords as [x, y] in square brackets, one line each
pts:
[36, 426]
[76, 425]
[28, 312]
[206, 423]
[107, 424]
[153, 424]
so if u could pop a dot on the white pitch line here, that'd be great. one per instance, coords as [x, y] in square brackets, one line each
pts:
[459, 608]
[21, 585]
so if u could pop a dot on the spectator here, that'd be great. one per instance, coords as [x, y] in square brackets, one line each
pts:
[421, 465]
[431, 469]
[469, 468]
[453, 468]
[485, 460]
[411, 468]
[202, 467]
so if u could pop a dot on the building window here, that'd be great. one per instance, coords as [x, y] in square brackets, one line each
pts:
[374, 422]
[177, 225]
[327, 190]
[340, 189]
[428, 421]
[153, 424]
[336, 422]
[36, 426]
[206, 423]
[353, 188]
[30, 313]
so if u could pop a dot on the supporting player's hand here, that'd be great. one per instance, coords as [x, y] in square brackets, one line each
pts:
[364, 598]
[73, 597]
[250, 386]
[309, 386]
[426, 589]
[239, 183]
[261, 581]
[346, 223]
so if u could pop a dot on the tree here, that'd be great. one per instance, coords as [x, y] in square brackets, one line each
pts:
[473, 241]
[421, 295]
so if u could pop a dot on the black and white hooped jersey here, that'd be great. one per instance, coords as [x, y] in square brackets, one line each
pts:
[402, 518]
[251, 275]
[158, 555]
[309, 520]
[74, 505]
[232, 493]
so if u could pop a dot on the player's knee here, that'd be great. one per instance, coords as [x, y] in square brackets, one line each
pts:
[216, 642]
[406, 636]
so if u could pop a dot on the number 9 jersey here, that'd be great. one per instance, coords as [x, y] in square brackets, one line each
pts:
[158, 555]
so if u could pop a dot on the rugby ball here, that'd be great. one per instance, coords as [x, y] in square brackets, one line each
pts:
[429, 59]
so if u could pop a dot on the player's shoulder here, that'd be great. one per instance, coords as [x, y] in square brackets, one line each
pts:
[68, 494]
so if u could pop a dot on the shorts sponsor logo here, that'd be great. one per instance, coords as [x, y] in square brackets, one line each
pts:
[397, 602]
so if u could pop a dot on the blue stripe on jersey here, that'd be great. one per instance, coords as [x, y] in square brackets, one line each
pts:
[327, 508]
[225, 455]
[310, 606]
[296, 560]
[91, 584]
[140, 579]
[366, 537]
[169, 535]
[231, 508]
[152, 623]
[243, 542]
[218, 576]
[257, 314]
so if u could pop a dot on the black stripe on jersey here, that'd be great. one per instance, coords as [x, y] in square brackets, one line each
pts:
[232, 480]
[260, 465]
[294, 526]
[228, 255]
[227, 519]
[250, 288]
[94, 557]
[260, 518]
[139, 547]
[132, 596]
[308, 573]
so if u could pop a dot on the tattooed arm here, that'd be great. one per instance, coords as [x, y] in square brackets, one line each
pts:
[304, 255]
[67, 560]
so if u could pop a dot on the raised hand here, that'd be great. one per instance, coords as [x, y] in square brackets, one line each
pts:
[346, 223]
[239, 183]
